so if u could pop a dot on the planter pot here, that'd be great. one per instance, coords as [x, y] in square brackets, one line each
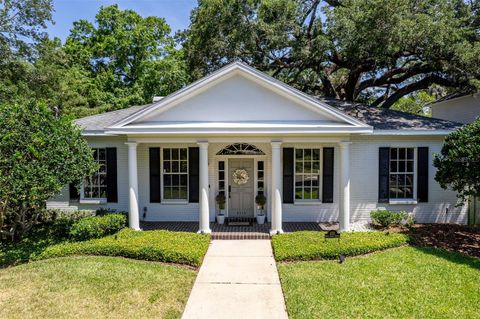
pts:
[260, 219]
[220, 219]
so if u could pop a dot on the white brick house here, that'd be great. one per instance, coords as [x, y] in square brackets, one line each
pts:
[314, 159]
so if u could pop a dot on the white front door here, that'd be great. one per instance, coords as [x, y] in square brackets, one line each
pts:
[241, 191]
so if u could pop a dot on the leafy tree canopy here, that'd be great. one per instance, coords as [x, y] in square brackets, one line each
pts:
[355, 50]
[458, 165]
[39, 154]
[21, 26]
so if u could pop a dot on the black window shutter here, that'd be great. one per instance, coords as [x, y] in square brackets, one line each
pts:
[112, 192]
[422, 174]
[383, 174]
[154, 167]
[193, 174]
[73, 192]
[327, 187]
[288, 171]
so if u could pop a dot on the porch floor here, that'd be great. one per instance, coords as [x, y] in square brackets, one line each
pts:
[255, 231]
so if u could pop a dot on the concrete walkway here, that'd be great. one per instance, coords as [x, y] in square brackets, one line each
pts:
[238, 279]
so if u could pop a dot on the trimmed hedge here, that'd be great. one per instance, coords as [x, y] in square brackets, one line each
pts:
[310, 245]
[158, 245]
[387, 218]
[97, 226]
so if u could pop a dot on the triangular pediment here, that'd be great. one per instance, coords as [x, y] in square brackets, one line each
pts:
[238, 94]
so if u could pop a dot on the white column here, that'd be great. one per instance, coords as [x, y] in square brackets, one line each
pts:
[133, 218]
[276, 194]
[204, 218]
[344, 207]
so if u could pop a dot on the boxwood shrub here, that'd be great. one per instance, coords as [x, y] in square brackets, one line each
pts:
[387, 218]
[311, 245]
[97, 226]
[158, 245]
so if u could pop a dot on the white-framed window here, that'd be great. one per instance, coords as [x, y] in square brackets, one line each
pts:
[221, 177]
[175, 174]
[95, 186]
[261, 177]
[307, 174]
[402, 172]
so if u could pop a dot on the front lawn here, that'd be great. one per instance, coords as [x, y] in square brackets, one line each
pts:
[156, 245]
[405, 282]
[310, 245]
[94, 287]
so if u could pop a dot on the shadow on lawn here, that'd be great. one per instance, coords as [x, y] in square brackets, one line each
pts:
[453, 257]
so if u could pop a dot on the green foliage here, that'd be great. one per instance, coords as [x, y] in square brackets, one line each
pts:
[405, 282]
[350, 49]
[21, 22]
[260, 200]
[220, 199]
[415, 103]
[387, 218]
[458, 164]
[310, 245]
[165, 246]
[98, 226]
[40, 153]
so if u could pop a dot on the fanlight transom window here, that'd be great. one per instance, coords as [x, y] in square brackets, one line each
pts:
[240, 149]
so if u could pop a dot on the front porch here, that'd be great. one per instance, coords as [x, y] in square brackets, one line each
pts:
[226, 232]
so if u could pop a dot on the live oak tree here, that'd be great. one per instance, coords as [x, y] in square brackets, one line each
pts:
[374, 51]
[39, 154]
[458, 164]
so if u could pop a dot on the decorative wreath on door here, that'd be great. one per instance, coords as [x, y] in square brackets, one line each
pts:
[240, 176]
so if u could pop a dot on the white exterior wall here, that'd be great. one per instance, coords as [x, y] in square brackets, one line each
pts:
[364, 182]
[440, 208]
[464, 109]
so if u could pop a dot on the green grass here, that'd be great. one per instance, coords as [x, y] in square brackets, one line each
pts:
[311, 245]
[405, 282]
[94, 287]
[158, 245]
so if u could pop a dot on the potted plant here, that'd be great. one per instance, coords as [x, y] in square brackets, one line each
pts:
[260, 200]
[221, 206]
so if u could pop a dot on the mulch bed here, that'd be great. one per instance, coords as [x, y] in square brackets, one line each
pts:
[460, 238]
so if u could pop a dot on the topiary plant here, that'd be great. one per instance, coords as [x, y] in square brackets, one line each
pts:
[220, 201]
[261, 200]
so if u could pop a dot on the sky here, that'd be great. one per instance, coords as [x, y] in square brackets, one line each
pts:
[175, 12]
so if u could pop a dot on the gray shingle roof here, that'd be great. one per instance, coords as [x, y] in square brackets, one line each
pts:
[378, 118]
[101, 121]
[386, 119]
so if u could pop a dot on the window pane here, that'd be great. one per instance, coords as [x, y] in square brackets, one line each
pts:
[316, 167]
[103, 192]
[221, 185]
[298, 154]
[175, 192]
[299, 167]
[221, 165]
[394, 166]
[102, 154]
[307, 154]
[103, 180]
[410, 166]
[95, 154]
[175, 167]
[298, 193]
[166, 154]
[167, 193]
[167, 180]
[316, 154]
[183, 193]
[410, 153]
[314, 180]
[402, 153]
[307, 193]
[183, 180]
[260, 185]
[167, 167]
[298, 180]
[401, 166]
[315, 193]
[221, 175]
[175, 152]
[183, 154]
[393, 153]
[175, 180]
[260, 165]
[95, 193]
[183, 166]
